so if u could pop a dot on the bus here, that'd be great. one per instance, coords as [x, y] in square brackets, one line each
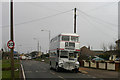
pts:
[64, 49]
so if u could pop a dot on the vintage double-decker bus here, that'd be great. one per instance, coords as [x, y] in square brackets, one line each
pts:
[64, 49]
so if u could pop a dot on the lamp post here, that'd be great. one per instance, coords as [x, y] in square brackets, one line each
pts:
[38, 43]
[18, 48]
[49, 36]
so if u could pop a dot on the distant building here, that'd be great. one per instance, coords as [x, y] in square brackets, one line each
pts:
[36, 54]
[98, 52]
[117, 44]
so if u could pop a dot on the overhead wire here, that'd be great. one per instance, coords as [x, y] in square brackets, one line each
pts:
[97, 18]
[42, 18]
[93, 25]
[92, 17]
[109, 4]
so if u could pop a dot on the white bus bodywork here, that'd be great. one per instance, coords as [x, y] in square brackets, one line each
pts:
[64, 50]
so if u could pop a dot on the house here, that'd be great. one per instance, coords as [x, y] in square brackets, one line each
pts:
[115, 53]
[117, 44]
[85, 53]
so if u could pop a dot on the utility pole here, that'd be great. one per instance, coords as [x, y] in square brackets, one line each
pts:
[40, 49]
[12, 38]
[74, 20]
[38, 46]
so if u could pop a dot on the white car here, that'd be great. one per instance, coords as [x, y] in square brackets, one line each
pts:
[23, 57]
[42, 60]
[29, 57]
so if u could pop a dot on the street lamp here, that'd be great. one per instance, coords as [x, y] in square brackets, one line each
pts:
[19, 48]
[38, 44]
[49, 36]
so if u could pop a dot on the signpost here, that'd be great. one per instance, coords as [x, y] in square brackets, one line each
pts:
[10, 44]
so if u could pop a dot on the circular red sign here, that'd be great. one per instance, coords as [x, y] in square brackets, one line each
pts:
[10, 44]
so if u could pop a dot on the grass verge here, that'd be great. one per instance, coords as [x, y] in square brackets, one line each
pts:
[6, 68]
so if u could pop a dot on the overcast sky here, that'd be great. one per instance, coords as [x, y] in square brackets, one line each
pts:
[97, 23]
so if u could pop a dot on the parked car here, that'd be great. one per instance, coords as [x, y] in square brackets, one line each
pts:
[42, 60]
[16, 57]
[33, 57]
[117, 59]
[23, 57]
[29, 57]
[97, 59]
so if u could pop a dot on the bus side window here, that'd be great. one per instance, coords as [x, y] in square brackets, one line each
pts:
[58, 53]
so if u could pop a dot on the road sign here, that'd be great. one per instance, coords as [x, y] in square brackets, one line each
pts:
[10, 44]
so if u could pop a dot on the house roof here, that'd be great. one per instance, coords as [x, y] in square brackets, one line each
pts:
[118, 41]
[88, 52]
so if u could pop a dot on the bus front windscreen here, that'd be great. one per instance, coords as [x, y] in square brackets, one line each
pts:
[64, 54]
[72, 56]
[74, 38]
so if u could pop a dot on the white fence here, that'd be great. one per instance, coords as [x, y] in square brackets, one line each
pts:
[101, 65]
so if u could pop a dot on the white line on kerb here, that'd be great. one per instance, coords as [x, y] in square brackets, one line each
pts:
[23, 72]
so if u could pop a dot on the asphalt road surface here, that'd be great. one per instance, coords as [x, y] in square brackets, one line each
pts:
[40, 70]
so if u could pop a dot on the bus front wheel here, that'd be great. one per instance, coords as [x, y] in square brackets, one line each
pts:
[76, 70]
[57, 68]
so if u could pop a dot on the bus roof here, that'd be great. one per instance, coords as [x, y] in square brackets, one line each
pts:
[69, 34]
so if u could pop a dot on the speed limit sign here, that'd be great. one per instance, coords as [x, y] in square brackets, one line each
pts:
[10, 44]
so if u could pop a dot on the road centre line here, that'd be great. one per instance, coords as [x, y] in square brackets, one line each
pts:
[83, 74]
[57, 75]
[52, 72]
[93, 77]
[61, 77]
[88, 75]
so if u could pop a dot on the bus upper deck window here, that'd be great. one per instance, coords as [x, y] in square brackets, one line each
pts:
[65, 38]
[74, 38]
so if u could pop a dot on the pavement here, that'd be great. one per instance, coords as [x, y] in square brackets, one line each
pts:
[40, 70]
[99, 73]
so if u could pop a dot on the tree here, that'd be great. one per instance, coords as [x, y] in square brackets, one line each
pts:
[5, 48]
[111, 47]
[104, 47]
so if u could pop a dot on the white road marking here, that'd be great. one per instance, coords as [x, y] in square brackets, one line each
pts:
[83, 74]
[28, 71]
[61, 77]
[36, 71]
[44, 68]
[52, 72]
[88, 75]
[23, 72]
[93, 77]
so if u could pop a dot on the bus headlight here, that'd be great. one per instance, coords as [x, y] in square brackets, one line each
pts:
[60, 64]
[77, 64]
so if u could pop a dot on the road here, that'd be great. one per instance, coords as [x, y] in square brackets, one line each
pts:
[40, 70]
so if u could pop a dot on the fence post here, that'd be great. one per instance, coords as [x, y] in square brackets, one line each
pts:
[97, 65]
[106, 65]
